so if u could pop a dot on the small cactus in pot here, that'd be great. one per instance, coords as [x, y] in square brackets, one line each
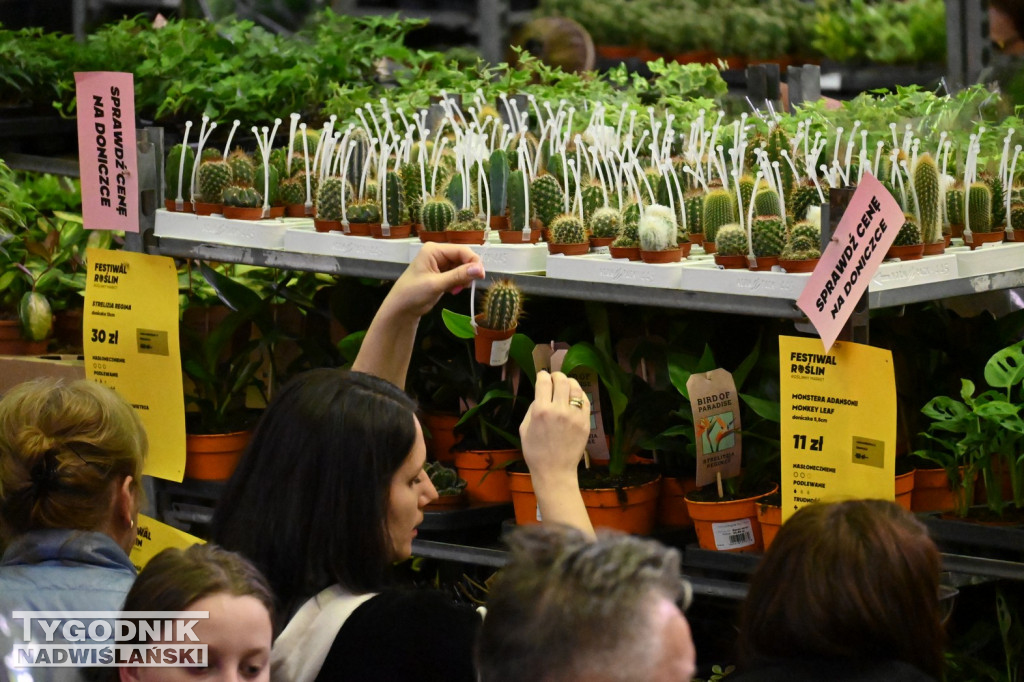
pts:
[657, 229]
[606, 222]
[366, 211]
[437, 214]
[241, 197]
[731, 240]
[547, 198]
[328, 199]
[213, 178]
[178, 174]
[768, 236]
[495, 326]
[909, 234]
[568, 229]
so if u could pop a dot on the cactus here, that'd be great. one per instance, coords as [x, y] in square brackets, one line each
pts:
[465, 221]
[995, 184]
[805, 229]
[269, 184]
[497, 181]
[1017, 216]
[517, 200]
[244, 197]
[766, 202]
[555, 168]
[243, 170]
[455, 190]
[412, 192]
[606, 222]
[502, 306]
[292, 191]
[314, 182]
[445, 479]
[747, 191]
[979, 208]
[437, 214]
[719, 209]
[592, 197]
[359, 142]
[547, 198]
[171, 168]
[328, 199]
[802, 198]
[214, 177]
[778, 141]
[909, 234]
[530, 148]
[631, 214]
[926, 184]
[731, 240]
[568, 229]
[371, 191]
[801, 248]
[768, 236]
[954, 204]
[365, 211]
[629, 237]
[657, 229]
[695, 212]
[279, 160]
[210, 154]
[397, 213]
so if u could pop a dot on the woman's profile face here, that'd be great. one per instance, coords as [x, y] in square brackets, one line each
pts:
[410, 491]
[238, 635]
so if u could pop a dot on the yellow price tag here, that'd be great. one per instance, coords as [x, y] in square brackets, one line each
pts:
[152, 537]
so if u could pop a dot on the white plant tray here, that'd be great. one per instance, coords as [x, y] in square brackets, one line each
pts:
[926, 270]
[305, 239]
[216, 229]
[519, 259]
[704, 275]
[604, 269]
[989, 259]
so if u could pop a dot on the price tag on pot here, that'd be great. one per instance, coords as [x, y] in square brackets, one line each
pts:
[107, 155]
[838, 427]
[153, 537]
[716, 424]
[733, 534]
[130, 327]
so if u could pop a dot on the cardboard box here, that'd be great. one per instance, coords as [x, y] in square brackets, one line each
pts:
[15, 369]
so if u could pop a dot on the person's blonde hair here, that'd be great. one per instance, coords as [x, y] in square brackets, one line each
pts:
[63, 449]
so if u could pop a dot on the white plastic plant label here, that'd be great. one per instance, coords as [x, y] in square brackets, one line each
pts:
[733, 534]
[499, 352]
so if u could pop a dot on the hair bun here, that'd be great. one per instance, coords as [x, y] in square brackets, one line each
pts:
[44, 473]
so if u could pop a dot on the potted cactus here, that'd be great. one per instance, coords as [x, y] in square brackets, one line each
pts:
[659, 236]
[803, 248]
[567, 235]
[768, 237]
[394, 222]
[466, 228]
[718, 209]
[731, 247]
[328, 205]
[242, 203]
[451, 489]
[605, 226]
[497, 183]
[978, 223]
[908, 244]
[627, 244]
[518, 212]
[494, 327]
[178, 179]
[436, 215]
[214, 176]
[548, 199]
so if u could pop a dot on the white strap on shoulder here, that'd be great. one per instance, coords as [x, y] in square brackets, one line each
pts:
[300, 650]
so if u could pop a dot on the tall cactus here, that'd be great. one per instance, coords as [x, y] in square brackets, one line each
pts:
[412, 192]
[979, 208]
[502, 306]
[766, 202]
[926, 184]
[719, 209]
[546, 195]
[497, 181]
[396, 211]
[171, 172]
[243, 170]
[517, 218]
[328, 199]
[954, 204]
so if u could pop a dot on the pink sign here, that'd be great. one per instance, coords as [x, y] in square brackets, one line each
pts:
[106, 150]
[867, 230]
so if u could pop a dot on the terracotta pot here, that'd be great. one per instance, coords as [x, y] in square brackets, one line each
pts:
[297, 211]
[667, 256]
[569, 249]
[1015, 236]
[426, 236]
[361, 229]
[498, 222]
[491, 345]
[205, 208]
[979, 238]
[672, 511]
[694, 57]
[213, 457]
[770, 518]
[709, 246]
[729, 526]
[516, 236]
[327, 225]
[631, 509]
[171, 205]
[67, 328]
[765, 263]
[397, 231]
[731, 262]
[12, 342]
[909, 252]
[618, 52]
[627, 252]
[524, 500]
[465, 236]
[956, 230]
[935, 248]
[932, 491]
[442, 436]
[904, 487]
[947, 239]
[485, 475]
[243, 212]
[798, 265]
[601, 241]
[277, 211]
[448, 502]
[697, 238]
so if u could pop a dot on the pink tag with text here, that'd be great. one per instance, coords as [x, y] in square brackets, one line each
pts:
[106, 150]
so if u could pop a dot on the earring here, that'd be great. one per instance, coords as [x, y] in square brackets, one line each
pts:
[131, 523]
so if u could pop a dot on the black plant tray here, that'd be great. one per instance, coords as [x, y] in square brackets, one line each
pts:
[473, 516]
[964, 533]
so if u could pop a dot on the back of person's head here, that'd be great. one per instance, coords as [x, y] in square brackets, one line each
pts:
[847, 580]
[568, 608]
[64, 449]
[308, 502]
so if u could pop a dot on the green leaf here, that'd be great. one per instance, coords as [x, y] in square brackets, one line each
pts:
[1006, 367]
[766, 409]
[459, 325]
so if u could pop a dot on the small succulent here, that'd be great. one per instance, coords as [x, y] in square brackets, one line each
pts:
[567, 229]
[731, 240]
[909, 234]
[606, 222]
[657, 229]
[445, 479]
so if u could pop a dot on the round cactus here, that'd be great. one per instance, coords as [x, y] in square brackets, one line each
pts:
[437, 214]
[731, 240]
[243, 169]
[292, 191]
[547, 198]
[1017, 216]
[466, 221]
[768, 236]
[806, 229]
[214, 177]
[243, 197]
[606, 222]
[568, 229]
[979, 207]
[629, 237]
[909, 234]
[657, 229]
[801, 248]
[502, 306]
[367, 211]
[766, 203]
[719, 209]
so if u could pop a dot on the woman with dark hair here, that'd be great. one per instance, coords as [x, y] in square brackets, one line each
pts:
[848, 591]
[332, 488]
[238, 632]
